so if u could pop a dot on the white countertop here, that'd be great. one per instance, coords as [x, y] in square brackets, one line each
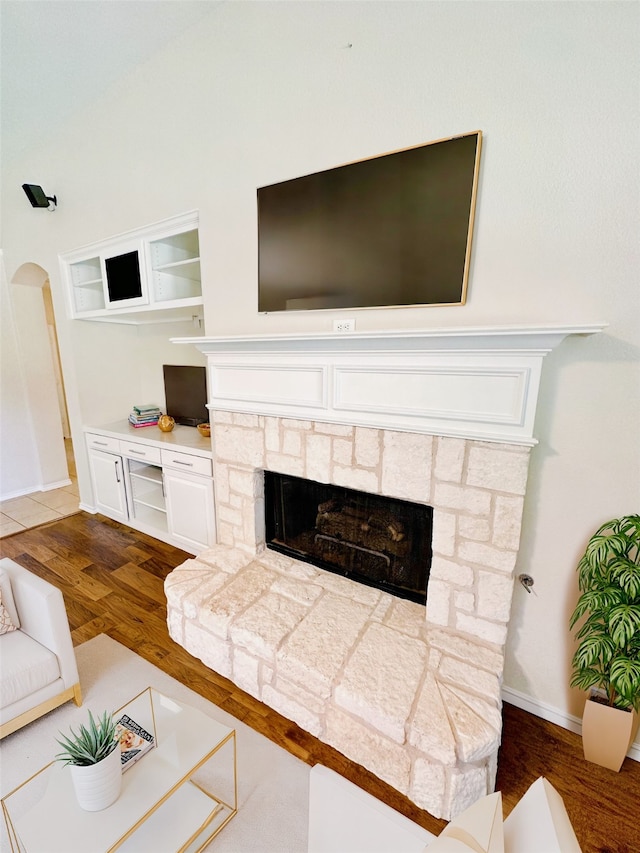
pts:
[180, 438]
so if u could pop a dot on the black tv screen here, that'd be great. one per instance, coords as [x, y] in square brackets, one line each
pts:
[391, 230]
[123, 277]
[185, 391]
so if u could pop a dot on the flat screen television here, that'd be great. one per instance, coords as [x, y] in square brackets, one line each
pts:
[185, 391]
[388, 231]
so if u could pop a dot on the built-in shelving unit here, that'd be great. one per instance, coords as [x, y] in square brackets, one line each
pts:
[171, 286]
[156, 482]
[147, 494]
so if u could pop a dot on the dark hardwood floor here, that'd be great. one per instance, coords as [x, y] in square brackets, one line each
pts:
[112, 581]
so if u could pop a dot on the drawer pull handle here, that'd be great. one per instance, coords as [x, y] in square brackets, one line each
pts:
[179, 462]
[101, 443]
[139, 452]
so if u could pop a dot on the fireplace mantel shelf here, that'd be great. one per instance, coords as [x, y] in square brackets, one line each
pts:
[521, 337]
[475, 382]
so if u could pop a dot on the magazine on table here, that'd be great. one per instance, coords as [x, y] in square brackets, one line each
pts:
[134, 741]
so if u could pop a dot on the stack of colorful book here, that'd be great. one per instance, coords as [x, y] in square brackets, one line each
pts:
[143, 416]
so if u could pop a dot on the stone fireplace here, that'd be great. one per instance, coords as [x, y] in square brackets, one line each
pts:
[408, 691]
[376, 540]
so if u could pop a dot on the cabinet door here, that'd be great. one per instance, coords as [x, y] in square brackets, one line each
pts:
[190, 509]
[107, 474]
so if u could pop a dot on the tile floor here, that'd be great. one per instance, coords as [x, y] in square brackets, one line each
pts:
[30, 510]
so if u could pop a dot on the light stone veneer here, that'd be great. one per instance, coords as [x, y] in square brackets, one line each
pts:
[412, 694]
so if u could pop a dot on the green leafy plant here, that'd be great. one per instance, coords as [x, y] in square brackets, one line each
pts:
[91, 744]
[608, 654]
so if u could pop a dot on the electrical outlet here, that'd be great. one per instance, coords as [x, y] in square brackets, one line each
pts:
[344, 325]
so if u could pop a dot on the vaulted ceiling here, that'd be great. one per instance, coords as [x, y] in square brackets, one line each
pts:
[58, 55]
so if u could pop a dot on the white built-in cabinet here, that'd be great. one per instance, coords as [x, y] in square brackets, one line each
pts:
[166, 257]
[190, 508]
[107, 473]
[158, 483]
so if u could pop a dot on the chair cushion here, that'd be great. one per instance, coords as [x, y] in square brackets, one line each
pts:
[7, 602]
[26, 666]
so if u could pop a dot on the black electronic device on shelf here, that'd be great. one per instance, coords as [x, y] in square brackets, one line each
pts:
[185, 389]
[124, 281]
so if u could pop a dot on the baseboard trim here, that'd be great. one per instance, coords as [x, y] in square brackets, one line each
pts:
[554, 715]
[60, 484]
[33, 490]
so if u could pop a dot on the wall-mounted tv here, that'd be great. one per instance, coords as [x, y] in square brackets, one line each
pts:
[185, 391]
[388, 231]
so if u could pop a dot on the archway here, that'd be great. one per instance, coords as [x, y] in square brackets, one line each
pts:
[34, 326]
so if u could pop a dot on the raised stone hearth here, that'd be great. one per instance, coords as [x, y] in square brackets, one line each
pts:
[325, 652]
[412, 695]
[440, 418]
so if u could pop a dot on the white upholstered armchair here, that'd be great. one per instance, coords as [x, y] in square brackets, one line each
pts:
[38, 670]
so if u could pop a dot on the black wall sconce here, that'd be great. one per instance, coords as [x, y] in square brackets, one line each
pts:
[38, 198]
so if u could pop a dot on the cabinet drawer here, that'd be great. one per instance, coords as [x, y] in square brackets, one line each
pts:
[103, 442]
[186, 462]
[140, 451]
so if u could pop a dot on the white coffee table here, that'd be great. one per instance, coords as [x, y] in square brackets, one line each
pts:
[166, 802]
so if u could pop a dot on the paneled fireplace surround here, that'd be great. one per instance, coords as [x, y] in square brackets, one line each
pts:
[411, 693]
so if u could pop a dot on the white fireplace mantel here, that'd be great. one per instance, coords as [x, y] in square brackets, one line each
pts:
[478, 383]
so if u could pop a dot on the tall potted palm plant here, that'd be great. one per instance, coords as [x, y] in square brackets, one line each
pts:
[607, 659]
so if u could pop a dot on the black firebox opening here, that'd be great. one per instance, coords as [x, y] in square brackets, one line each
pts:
[379, 541]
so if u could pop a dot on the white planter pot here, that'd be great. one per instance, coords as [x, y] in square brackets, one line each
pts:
[98, 785]
[607, 734]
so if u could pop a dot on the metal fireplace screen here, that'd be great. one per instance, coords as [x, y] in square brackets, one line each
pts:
[379, 541]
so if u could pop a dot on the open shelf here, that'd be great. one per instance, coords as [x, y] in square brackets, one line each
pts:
[143, 471]
[175, 267]
[151, 500]
[150, 516]
[86, 285]
[175, 248]
[94, 282]
[147, 492]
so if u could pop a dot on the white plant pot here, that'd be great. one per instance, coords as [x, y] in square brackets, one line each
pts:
[607, 734]
[98, 785]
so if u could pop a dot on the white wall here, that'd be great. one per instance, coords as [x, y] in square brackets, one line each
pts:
[19, 462]
[261, 92]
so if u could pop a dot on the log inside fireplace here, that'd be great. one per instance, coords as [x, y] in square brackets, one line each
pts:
[380, 541]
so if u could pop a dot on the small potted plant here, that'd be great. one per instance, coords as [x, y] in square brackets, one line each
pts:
[607, 660]
[93, 754]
